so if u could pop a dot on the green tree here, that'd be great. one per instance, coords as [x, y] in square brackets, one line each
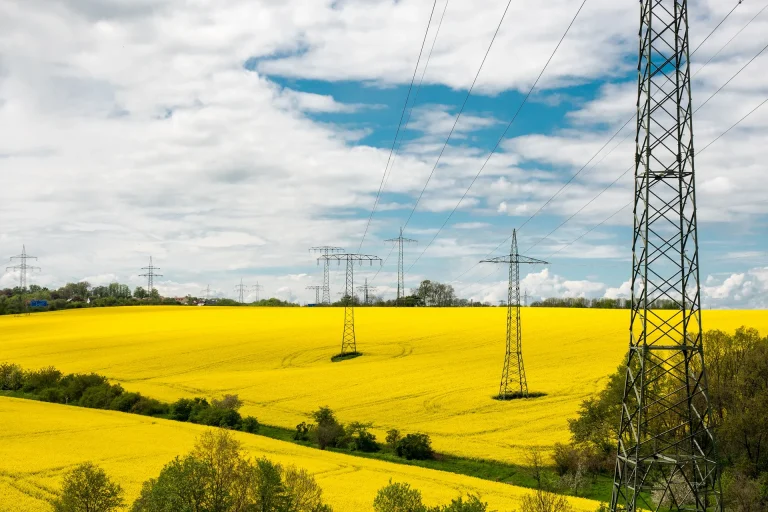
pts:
[545, 501]
[87, 488]
[181, 487]
[140, 293]
[398, 497]
[328, 430]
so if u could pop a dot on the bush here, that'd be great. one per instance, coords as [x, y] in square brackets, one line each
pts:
[125, 402]
[415, 446]
[228, 402]
[473, 504]
[149, 406]
[101, 396]
[398, 497]
[306, 495]
[11, 377]
[362, 440]
[43, 378]
[216, 417]
[544, 501]
[566, 457]
[182, 408]
[393, 436]
[74, 385]
[87, 488]
[303, 432]
[250, 425]
[328, 432]
[50, 395]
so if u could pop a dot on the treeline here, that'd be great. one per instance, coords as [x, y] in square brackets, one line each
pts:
[601, 303]
[737, 372]
[217, 475]
[83, 295]
[429, 293]
[328, 432]
[94, 391]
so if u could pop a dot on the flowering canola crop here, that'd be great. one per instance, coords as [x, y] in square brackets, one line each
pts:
[428, 370]
[39, 442]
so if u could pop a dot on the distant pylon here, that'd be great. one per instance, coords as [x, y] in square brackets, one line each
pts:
[513, 382]
[666, 456]
[525, 298]
[241, 290]
[23, 267]
[317, 292]
[207, 291]
[256, 289]
[400, 241]
[325, 250]
[150, 275]
[348, 341]
[366, 289]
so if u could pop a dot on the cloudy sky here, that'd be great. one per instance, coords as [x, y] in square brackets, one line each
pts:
[225, 139]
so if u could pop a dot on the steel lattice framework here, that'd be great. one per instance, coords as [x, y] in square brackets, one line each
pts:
[150, 275]
[513, 382]
[317, 292]
[666, 451]
[366, 289]
[23, 267]
[348, 341]
[400, 241]
[326, 250]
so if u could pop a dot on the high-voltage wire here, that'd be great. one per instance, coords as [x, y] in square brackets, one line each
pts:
[616, 133]
[400, 123]
[504, 134]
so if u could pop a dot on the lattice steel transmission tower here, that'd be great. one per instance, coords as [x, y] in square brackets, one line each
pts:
[256, 289]
[666, 451]
[317, 292]
[366, 289]
[150, 275]
[513, 382]
[23, 267]
[400, 241]
[348, 341]
[326, 250]
[241, 290]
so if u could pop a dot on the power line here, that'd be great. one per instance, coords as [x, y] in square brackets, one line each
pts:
[399, 124]
[461, 110]
[699, 152]
[503, 135]
[616, 133]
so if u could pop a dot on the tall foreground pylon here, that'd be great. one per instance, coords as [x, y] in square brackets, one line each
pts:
[513, 382]
[666, 451]
[348, 340]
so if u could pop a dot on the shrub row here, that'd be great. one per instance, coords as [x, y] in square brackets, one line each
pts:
[94, 391]
[328, 432]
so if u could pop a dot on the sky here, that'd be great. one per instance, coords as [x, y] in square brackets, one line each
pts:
[225, 139]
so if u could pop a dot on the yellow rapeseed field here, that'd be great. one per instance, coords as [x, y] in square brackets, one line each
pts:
[41, 441]
[428, 370]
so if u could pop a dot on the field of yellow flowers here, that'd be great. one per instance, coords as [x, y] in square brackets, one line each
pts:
[425, 370]
[39, 442]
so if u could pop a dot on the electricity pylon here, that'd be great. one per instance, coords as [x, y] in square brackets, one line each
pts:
[207, 291]
[256, 289]
[317, 292]
[150, 275]
[666, 450]
[23, 267]
[513, 382]
[400, 241]
[325, 250]
[366, 289]
[348, 341]
[241, 290]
